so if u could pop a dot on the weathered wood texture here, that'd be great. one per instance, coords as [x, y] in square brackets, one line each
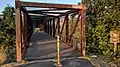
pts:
[50, 5]
[18, 33]
[51, 26]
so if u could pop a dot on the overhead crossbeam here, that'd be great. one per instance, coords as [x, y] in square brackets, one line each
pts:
[23, 9]
[45, 12]
[49, 9]
[49, 5]
[23, 19]
[66, 13]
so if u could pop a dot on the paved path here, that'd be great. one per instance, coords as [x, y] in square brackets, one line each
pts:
[42, 53]
[43, 46]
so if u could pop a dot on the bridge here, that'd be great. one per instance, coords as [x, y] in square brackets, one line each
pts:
[60, 25]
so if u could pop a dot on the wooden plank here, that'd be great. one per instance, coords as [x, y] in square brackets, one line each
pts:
[43, 12]
[66, 13]
[26, 27]
[53, 9]
[54, 31]
[23, 9]
[47, 15]
[74, 28]
[51, 27]
[50, 5]
[22, 31]
[67, 26]
[18, 33]
[58, 25]
[48, 27]
[63, 26]
[25, 35]
[44, 27]
[83, 28]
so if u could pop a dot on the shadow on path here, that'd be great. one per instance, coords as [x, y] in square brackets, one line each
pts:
[42, 53]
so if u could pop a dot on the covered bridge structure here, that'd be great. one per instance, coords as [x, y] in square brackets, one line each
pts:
[55, 19]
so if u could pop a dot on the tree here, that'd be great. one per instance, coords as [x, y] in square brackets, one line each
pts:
[7, 31]
[102, 16]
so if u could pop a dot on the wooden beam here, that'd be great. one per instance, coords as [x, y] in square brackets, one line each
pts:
[58, 25]
[83, 34]
[39, 11]
[74, 28]
[45, 14]
[63, 26]
[54, 31]
[68, 12]
[67, 31]
[53, 9]
[23, 9]
[18, 32]
[25, 28]
[50, 27]
[45, 27]
[50, 5]
[22, 31]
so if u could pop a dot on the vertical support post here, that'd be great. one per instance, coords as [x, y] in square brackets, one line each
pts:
[58, 23]
[83, 28]
[22, 33]
[56, 27]
[58, 50]
[25, 28]
[54, 31]
[58, 44]
[50, 27]
[58, 53]
[18, 32]
[47, 27]
[67, 31]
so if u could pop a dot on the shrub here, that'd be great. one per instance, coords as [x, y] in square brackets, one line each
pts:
[7, 32]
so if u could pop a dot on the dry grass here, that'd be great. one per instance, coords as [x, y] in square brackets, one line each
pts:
[3, 55]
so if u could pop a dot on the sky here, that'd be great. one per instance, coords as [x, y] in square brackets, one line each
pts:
[3, 3]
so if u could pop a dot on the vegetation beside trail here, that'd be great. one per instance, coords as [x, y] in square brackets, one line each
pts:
[102, 17]
[7, 36]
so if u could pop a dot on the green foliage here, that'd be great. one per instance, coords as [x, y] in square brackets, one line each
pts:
[103, 16]
[7, 31]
